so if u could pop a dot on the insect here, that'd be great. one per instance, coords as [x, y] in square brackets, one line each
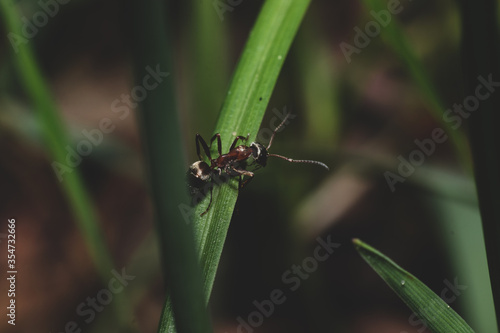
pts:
[202, 175]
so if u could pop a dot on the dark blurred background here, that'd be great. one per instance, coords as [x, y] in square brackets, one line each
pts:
[356, 116]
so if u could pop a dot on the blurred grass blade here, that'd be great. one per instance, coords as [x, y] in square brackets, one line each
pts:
[452, 199]
[209, 39]
[394, 36]
[319, 86]
[56, 140]
[481, 54]
[438, 316]
[242, 112]
[160, 133]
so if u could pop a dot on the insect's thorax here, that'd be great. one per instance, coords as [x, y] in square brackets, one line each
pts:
[240, 153]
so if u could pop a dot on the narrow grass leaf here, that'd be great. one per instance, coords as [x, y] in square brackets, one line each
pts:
[56, 139]
[242, 112]
[481, 54]
[438, 316]
[161, 137]
[208, 46]
[318, 81]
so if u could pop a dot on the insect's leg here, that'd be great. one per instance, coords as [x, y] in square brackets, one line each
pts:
[241, 173]
[219, 143]
[199, 140]
[239, 137]
[247, 181]
[209, 203]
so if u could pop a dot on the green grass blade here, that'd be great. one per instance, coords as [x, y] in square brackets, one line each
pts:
[394, 36]
[318, 79]
[244, 108]
[56, 139]
[481, 54]
[209, 46]
[161, 136]
[438, 316]
[242, 113]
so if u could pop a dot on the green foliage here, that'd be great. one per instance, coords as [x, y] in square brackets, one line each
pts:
[160, 132]
[438, 316]
[56, 140]
[242, 113]
[481, 51]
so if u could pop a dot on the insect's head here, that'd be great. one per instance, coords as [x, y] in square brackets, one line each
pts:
[259, 153]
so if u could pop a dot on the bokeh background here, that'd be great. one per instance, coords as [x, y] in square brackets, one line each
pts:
[356, 116]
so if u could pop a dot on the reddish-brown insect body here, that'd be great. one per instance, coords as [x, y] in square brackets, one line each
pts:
[237, 154]
[201, 175]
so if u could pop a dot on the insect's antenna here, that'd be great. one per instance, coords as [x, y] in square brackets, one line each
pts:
[301, 161]
[277, 129]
